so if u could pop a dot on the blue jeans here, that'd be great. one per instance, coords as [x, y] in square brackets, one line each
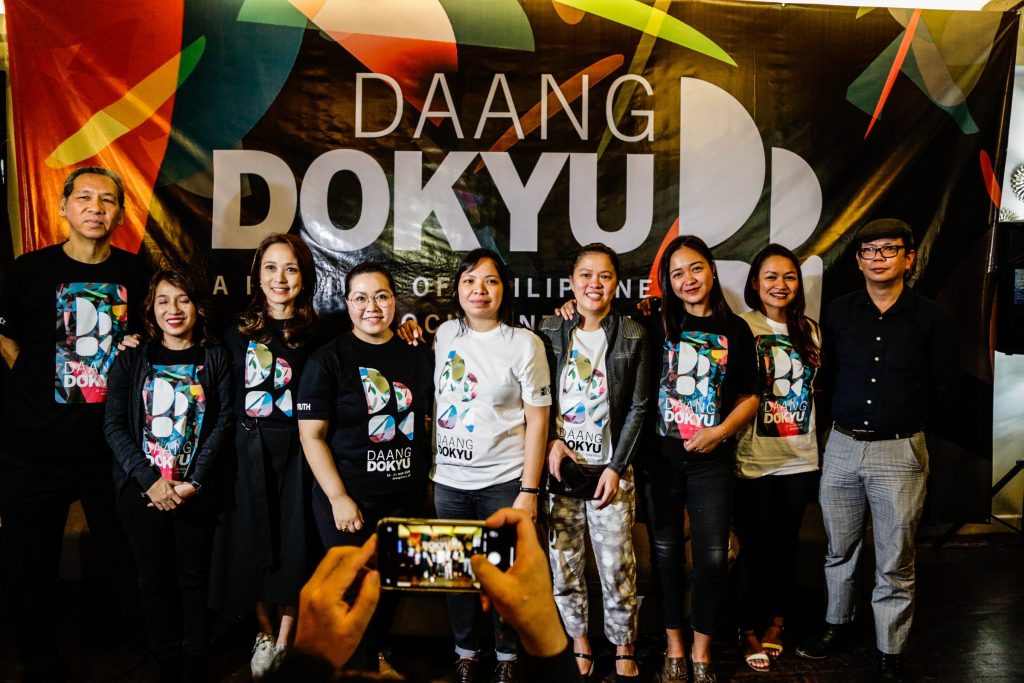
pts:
[705, 489]
[464, 608]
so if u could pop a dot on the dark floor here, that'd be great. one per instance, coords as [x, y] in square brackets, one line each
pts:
[969, 627]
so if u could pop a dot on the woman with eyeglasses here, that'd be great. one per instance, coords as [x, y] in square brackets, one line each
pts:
[777, 454]
[364, 412]
[492, 400]
[261, 558]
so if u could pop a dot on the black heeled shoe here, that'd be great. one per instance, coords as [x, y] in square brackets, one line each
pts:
[622, 678]
[587, 657]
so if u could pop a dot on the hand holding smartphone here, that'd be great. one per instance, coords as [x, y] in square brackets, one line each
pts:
[434, 554]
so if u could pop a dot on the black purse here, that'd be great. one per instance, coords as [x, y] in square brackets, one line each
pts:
[578, 481]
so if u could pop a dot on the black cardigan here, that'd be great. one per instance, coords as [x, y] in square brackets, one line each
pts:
[124, 416]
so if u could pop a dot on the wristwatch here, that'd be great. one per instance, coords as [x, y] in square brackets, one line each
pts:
[196, 485]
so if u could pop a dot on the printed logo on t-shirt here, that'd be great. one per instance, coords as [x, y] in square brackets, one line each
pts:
[259, 365]
[785, 408]
[396, 463]
[689, 397]
[174, 404]
[584, 405]
[91, 318]
[454, 408]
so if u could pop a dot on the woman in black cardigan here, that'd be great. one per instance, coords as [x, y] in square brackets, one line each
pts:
[167, 412]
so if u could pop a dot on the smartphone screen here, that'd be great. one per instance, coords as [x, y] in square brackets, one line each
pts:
[433, 554]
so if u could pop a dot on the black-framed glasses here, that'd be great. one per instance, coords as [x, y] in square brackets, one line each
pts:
[382, 299]
[887, 251]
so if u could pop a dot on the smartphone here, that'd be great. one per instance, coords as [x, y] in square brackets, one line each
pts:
[433, 554]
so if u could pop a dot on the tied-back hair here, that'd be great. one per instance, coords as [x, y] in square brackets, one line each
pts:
[801, 328]
[506, 312]
[673, 313]
[598, 248]
[194, 287]
[298, 329]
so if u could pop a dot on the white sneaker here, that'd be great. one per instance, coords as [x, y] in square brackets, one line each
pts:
[263, 655]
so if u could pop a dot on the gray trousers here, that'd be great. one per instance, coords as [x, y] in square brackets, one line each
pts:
[611, 536]
[887, 478]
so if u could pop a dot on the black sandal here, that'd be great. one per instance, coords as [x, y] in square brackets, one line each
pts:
[589, 658]
[622, 678]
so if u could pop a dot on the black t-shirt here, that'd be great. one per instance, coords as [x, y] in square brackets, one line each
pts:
[266, 374]
[377, 398]
[67, 317]
[700, 375]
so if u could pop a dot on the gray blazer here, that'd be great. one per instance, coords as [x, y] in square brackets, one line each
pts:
[627, 362]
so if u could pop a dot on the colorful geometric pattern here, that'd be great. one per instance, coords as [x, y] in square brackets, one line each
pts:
[259, 364]
[785, 408]
[174, 404]
[377, 391]
[457, 386]
[689, 396]
[91, 319]
[583, 391]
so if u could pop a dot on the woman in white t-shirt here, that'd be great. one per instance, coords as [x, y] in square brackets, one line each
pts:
[597, 357]
[491, 424]
[777, 454]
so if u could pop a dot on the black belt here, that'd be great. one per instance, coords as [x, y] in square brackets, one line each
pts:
[867, 435]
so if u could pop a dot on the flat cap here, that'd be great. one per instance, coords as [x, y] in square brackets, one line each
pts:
[885, 227]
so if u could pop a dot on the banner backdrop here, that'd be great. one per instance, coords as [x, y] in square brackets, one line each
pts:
[414, 130]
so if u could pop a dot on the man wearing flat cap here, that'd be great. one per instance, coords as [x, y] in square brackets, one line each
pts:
[894, 356]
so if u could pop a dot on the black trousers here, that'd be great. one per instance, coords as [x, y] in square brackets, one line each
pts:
[172, 551]
[408, 505]
[768, 514]
[35, 496]
[704, 488]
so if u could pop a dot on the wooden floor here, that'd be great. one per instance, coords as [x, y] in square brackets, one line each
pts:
[969, 626]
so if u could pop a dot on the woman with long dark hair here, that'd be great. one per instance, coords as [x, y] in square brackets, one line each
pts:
[261, 557]
[596, 358]
[705, 395]
[364, 411]
[168, 403]
[492, 393]
[777, 455]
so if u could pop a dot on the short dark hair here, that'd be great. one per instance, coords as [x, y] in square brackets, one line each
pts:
[506, 312]
[885, 227]
[192, 285]
[598, 248]
[370, 267]
[69, 182]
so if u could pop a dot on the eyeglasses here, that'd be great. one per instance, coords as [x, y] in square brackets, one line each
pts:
[382, 299]
[887, 251]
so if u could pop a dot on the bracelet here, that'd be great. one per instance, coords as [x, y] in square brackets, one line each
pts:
[530, 489]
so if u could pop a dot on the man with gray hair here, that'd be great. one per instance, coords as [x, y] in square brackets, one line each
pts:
[64, 310]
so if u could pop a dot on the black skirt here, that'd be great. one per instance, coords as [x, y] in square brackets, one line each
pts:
[261, 548]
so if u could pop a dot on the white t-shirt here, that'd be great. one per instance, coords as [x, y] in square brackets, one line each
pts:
[481, 381]
[583, 417]
[781, 439]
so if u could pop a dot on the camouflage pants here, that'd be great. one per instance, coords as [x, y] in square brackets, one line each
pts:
[612, 540]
